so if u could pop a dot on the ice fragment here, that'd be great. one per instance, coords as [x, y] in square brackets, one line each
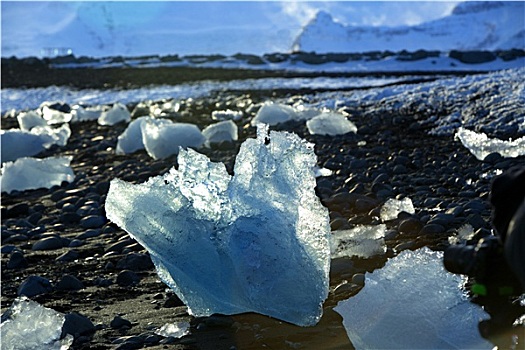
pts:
[131, 139]
[257, 241]
[361, 241]
[30, 326]
[28, 120]
[392, 207]
[162, 137]
[220, 132]
[273, 114]
[116, 114]
[226, 115]
[175, 330]
[412, 303]
[480, 145]
[330, 123]
[32, 173]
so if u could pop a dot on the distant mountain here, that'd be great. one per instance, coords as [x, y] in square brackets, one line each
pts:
[476, 25]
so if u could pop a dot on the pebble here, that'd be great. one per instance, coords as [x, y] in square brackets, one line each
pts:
[89, 234]
[69, 218]
[135, 262]
[48, 243]
[431, 228]
[119, 322]
[70, 255]
[6, 249]
[127, 278]
[17, 260]
[69, 282]
[76, 243]
[410, 226]
[173, 301]
[34, 285]
[77, 325]
[17, 210]
[92, 221]
[358, 279]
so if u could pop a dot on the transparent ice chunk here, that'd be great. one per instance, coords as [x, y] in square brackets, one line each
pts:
[28, 120]
[227, 114]
[53, 116]
[82, 114]
[175, 330]
[162, 137]
[392, 207]
[116, 114]
[257, 241]
[29, 325]
[480, 145]
[362, 241]
[413, 303]
[330, 123]
[17, 143]
[32, 173]
[131, 139]
[273, 114]
[220, 132]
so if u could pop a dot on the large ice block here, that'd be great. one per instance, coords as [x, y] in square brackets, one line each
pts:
[116, 114]
[32, 173]
[257, 241]
[413, 303]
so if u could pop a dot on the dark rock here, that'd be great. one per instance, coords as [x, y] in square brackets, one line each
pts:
[34, 285]
[493, 158]
[432, 228]
[70, 255]
[119, 322]
[48, 243]
[17, 210]
[127, 278]
[365, 204]
[77, 325]
[173, 301]
[17, 260]
[69, 218]
[135, 262]
[69, 282]
[34, 218]
[410, 226]
[6, 249]
[76, 243]
[92, 221]
[89, 234]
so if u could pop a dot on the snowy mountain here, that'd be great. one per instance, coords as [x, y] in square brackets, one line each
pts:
[476, 25]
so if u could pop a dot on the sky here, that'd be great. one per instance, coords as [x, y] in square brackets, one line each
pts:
[101, 28]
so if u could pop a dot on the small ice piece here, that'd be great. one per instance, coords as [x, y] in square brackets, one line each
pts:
[227, 114]
[392, 207]
[273, 114]
[321, 172]
[162, 137]
[28, 120]
[361, 241]
[257, 241]
[118, 113]
[82, 114]
[330, 123]
[59, 136]
[413, 303]
[29, 325]
[32, 173]
[220, 132]
[17, 143]
[53, 116]
[464, 233]
[175, 330]
[480, 145]
[131, 139]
